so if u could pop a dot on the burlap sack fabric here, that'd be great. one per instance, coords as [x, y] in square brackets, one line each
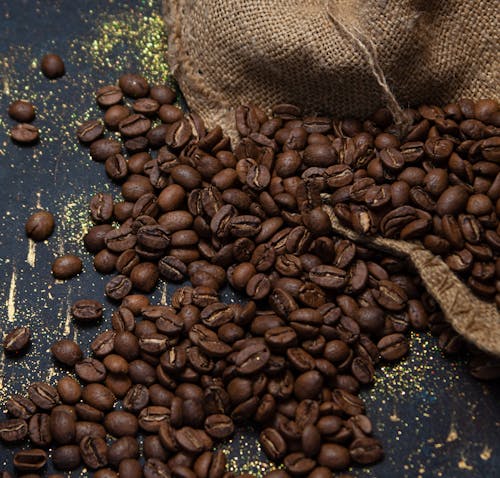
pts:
[339, 57]
[344, 58]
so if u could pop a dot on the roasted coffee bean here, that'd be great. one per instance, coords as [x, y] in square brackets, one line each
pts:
[30, 460]
[66, 457]
[89, 131]
[43, 395]
[69, 390]
[273, 444]
[133, 85]
[13, 430]
[62, 426]
[67, 266]
[86, 310]
[90, 370]
[219, 426]
[67, 352]
[20, 407]
[120, 423]
[16, 340]
[109, 95]
[393, 347]
[40, 225]
[334, 456]
[24, 133]
[193, 440]
[22, 111]
[103, 148]
[118, 287]
[94, 452]
[52, 66]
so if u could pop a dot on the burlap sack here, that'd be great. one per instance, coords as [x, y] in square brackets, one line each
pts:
[340, 57]
[344, 58]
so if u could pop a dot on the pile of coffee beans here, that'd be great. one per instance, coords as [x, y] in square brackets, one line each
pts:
[170, 381]
[439, 183]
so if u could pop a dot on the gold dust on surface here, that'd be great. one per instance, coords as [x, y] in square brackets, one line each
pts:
[146, 33]
[452, 434]
[463, 465]
[486, 453]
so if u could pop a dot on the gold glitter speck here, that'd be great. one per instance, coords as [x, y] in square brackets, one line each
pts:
[452, 435]
[463, 465]
[11, 301]
[486, 453]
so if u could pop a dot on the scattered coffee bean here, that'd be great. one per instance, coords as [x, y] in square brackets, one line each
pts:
[16, 340]
[22, 111]
[52, 66]
[66, 266]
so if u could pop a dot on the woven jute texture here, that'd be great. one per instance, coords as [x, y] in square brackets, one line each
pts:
[474, 319]
[338, 57]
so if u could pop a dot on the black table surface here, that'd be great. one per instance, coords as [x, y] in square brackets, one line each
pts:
[432, 417]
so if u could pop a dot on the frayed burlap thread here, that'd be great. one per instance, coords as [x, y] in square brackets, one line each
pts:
[229, 52]
[476, 320]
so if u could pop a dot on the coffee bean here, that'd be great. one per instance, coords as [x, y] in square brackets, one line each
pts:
[90, 370]
[66, 266]
[393, 347]
[120, 423]
[62, 427]
[86, 310]
[118, 287]
[333, 456]
[69, 390]
[67, 352]
[13, 430]
[30, 460]
[109, 95]
[89, 131]
[66, 457]
[16, 340]
[52, 66]
[133, 85]
[40, 225]
[193, 440]
[43, 395]
[94, 452]
[20, 407]
[22, 111]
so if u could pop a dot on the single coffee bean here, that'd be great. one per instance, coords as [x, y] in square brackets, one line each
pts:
[69, 390]
[118, 287]
[52, 66]
[334, 456]
[20, 407]
[22, 111]
[13, 430]
[94, 452]
[103, 148]
[133, 85]
[30, 460]
[39, 429]
[43, 395]
[89, 131]
[62, 427]
[120, 423]
[16, 340]
[393, 347]
[109, 95]
[90, 370]
[40, 225]
[86, 310]
[67, 352]
[24, 133]
[273, 444]
[66, 457]
[66, 266]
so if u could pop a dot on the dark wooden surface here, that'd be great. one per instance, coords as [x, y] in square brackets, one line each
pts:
[432, 417]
